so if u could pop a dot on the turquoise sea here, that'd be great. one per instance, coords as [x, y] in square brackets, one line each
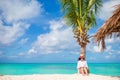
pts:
[57, 68]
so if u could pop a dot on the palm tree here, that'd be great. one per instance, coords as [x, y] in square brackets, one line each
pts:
[81, 16]
[109, 28]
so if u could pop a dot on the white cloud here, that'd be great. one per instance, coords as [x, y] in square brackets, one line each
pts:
[112, 40]
[32, 51]
[15, 10]
[108, 57]
[107, 9]
[118, 52]
[109, 48]
[9, 34]
[13, 17]
[59, 39]
[92, 58]
[110, 44]
[21, 54]
[96, 49]
[24, 40]
[112, 56]
[109, 40]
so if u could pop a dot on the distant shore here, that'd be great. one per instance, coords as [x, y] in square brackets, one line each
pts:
[57, 77]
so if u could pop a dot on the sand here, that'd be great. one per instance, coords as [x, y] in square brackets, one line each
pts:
[57, 77]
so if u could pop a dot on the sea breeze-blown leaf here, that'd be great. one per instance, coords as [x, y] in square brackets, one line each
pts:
[109, 28]
[81, 16]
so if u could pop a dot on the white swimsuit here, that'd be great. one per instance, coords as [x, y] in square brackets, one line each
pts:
[82, 64]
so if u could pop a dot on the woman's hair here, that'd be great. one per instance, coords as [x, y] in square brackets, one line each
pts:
[81, 57]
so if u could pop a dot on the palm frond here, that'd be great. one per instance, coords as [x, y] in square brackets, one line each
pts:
[91, 11]
[69, 10]
[110, 27]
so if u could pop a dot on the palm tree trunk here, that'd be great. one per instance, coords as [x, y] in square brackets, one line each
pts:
[83, 50]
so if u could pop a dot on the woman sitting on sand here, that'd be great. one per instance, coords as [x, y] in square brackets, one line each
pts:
[82, 65]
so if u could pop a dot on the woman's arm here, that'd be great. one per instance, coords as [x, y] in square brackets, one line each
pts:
[77, 64]
[78, 67]
[86, 64]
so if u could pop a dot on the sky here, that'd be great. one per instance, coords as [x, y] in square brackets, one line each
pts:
[33, 31]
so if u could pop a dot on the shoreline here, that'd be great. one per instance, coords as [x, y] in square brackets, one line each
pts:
[58, 77]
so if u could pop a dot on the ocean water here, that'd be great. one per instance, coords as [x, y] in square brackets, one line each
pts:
[57, 68]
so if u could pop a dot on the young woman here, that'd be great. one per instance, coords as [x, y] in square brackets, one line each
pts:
[82, 65]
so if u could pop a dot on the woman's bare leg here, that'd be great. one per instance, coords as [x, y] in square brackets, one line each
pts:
[78, 70]
[82, 71]
[85, 70]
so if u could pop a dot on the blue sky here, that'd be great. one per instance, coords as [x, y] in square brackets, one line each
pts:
[33, 31]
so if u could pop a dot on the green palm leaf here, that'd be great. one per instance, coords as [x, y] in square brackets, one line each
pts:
[81, 15]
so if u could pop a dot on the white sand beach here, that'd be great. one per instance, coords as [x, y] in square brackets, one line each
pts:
[57, 77]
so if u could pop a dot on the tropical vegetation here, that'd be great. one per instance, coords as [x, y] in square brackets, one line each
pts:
[109, 28]
[81, 16]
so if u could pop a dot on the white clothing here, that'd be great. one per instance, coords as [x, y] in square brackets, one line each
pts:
[82, 64]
